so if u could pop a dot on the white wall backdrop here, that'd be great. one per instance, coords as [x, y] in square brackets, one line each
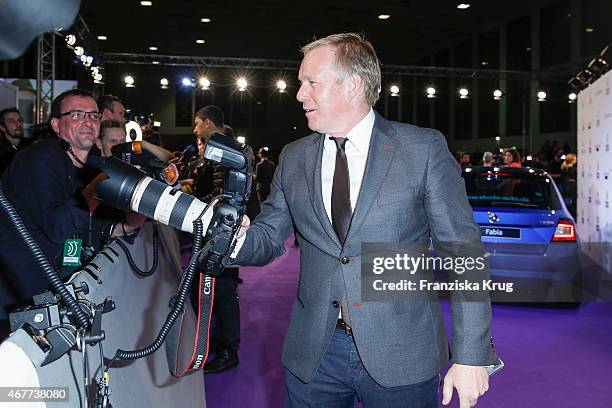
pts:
[595, 170]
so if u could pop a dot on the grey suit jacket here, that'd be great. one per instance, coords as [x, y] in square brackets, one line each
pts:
[412, 189]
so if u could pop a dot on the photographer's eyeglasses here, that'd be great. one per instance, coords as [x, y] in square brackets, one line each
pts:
[80, 115]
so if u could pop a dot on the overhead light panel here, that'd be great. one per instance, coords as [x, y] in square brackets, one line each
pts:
[463, 6]
[384, 16]
[102, 38]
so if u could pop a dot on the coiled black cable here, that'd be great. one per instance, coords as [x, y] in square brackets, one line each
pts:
[54, 279]
[133, 265]
[179, 304]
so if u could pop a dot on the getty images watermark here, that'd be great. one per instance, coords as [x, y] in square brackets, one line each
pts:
[459, 265]
[394, 272]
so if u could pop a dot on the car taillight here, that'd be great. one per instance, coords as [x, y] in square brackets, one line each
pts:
[565, 231]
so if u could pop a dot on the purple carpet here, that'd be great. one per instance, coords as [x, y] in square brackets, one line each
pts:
[554, 357]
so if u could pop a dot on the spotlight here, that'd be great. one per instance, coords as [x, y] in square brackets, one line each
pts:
[242, 84]
[394, 90]
[431, 92]
[83, 58]
[204, 83]
[529, 158]
[541, 96]
[129, 81]
[497, 138]
[497, 94]
[102, 38]
[79, 51]
[598, 66]
[98, 78]
[164, 83]
[153, 48]
[572, 97]
[574, 84]
[70, 39]
[463, 6]
[584, 77]
[241, 139]
[205, 20]
[88, 61]
[155, 62]
[187, 82]
[200, 41]
[463, 93]
[384, 16]
[281, 85]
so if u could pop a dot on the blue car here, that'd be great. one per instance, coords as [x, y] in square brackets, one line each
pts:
[527, 231]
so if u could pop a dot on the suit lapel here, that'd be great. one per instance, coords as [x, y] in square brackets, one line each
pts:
[313, 156]
[383, 147]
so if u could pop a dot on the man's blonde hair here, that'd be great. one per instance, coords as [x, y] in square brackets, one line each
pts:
[353, 55]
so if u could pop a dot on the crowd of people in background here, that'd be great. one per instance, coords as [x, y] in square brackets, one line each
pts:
[558, 161]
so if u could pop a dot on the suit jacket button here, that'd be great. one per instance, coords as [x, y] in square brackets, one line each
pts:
[335, 304]
[344, 260]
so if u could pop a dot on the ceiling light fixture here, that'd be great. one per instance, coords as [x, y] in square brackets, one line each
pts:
[242, 84]
[152, 48]
[384, 16]
[463, 6]
[146, 3]
[205, 20]
[200, 41]
[204, 83]
[102, 38]
[541, 96]
[129, 81]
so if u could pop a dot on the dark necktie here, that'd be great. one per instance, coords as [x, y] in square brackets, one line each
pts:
[341, 192]
[341, 207]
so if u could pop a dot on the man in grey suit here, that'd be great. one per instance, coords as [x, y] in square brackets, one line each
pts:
[360, 178]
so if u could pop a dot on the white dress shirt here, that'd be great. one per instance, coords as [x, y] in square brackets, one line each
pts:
[356, 149]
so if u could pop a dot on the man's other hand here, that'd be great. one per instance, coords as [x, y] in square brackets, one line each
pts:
[471, 383]
[244, 226]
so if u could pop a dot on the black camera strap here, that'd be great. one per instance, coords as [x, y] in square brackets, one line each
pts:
[201, 341]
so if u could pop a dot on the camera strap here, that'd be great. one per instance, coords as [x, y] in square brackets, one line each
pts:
[201, 341]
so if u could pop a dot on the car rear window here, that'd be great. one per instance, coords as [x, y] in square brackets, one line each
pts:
[505, 189]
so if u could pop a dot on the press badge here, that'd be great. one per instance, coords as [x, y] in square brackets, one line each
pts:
[72, 252]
